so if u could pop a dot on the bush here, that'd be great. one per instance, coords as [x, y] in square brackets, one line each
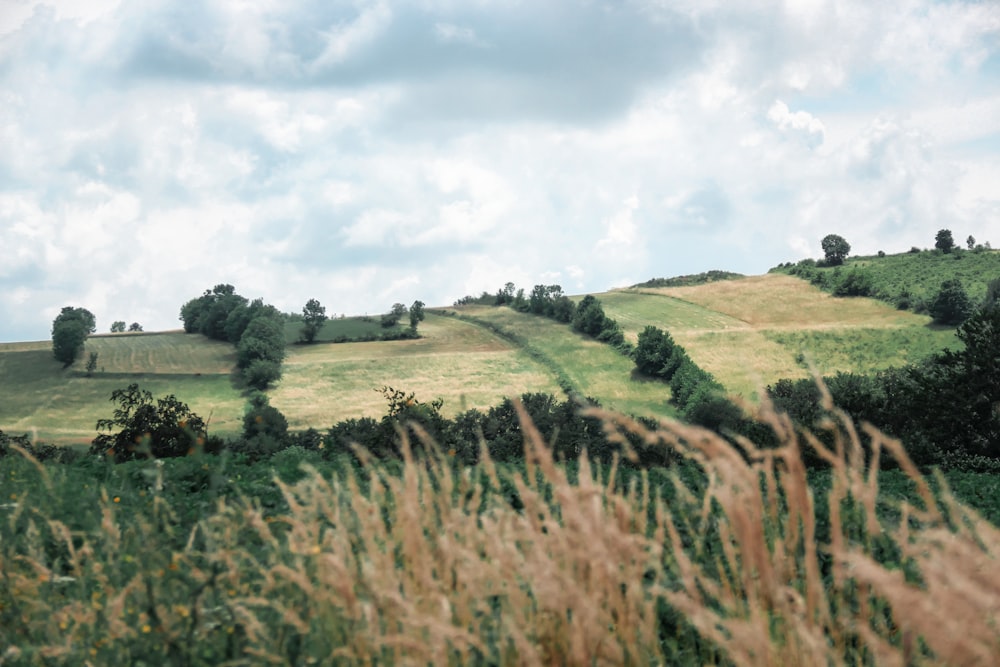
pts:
[162, 429]
[951, 305]
[261, 373]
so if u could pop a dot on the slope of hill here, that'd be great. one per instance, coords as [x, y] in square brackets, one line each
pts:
[756, 330]
[908, 280]
[454, 360]
[747, 332]
[62, 405]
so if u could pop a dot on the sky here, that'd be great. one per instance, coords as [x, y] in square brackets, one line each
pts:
[365, 153]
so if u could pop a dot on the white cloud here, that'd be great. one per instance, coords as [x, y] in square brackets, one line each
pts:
[807, 126]
[373, 152]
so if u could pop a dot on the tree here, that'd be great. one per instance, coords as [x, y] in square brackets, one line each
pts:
[417, 313]
[971, 242]
[69, 332]
[313, 319]
[209, 313]
[653, 351]
[943, 241]
[91, 363]
[393, 317]
[118, 326]
[135, 327]
[166, 428]
[992, 299]
[589, 316]
[951, 305]
[835, 248]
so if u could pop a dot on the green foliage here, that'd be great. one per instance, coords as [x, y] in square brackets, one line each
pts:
[118, 326]
[69, 332]
[944, 241]
[951, 305]
[855, 283]
[135, 327]
[589, 317]
[417, 314]
[992, 298]
[835, 249]
[393, 317]
[907, 280]
[265, 429]
[208, 314]
[91, 363]
[313, 319]
[261, 373]
[653, 352]
[139, 427]
[690, 280]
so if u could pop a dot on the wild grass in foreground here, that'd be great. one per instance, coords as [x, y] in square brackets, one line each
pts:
[437, 564]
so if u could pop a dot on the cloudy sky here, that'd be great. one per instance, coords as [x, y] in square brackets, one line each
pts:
[368, 152]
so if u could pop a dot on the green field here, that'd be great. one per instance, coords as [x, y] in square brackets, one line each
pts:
[342, 329]
[919, 273]
[747, 332]
[594, 369]
[60, 405]
[753, 331]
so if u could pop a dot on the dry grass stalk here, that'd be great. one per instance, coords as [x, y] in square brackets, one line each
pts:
[435, 566]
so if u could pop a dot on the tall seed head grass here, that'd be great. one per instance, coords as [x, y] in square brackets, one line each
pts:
[437, 564]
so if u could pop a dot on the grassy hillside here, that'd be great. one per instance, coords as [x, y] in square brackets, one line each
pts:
[342, 330]
[910, 278]
[762, 328]
[62, 405]
[323, 383]
[594, 369]
[746, 332]
[463, 364]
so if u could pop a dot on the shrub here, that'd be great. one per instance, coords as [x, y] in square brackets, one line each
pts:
[951, 305]
[261, 373]
[140, 427]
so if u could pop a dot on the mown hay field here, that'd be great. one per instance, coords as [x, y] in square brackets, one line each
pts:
[465, 365]
[753, 331]
[62, 405]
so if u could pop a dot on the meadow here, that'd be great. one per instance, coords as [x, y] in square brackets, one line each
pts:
[343, 329]
[458, 362]
[750, 332]
[728, 558]
[61, 406]
[591, 368]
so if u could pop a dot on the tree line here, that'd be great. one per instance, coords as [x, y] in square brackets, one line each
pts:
[257, 329]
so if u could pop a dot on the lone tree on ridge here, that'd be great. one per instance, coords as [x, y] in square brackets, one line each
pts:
[835, 248]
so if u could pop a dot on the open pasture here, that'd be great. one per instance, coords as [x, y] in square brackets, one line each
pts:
[459, 362]
[775, 300]
[40, 397]
[753, 331]
[342, 329]
[593, 368]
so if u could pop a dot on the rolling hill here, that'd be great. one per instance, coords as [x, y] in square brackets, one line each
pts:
[748, 332]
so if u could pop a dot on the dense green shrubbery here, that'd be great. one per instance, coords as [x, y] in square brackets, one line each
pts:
[943, 408]
[908, 281]
[690, 280]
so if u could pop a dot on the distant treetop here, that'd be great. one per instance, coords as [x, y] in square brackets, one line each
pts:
[688, 280]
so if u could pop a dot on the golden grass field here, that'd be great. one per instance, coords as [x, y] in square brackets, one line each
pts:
[463, 364]
[748, 333]
[753, 331]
